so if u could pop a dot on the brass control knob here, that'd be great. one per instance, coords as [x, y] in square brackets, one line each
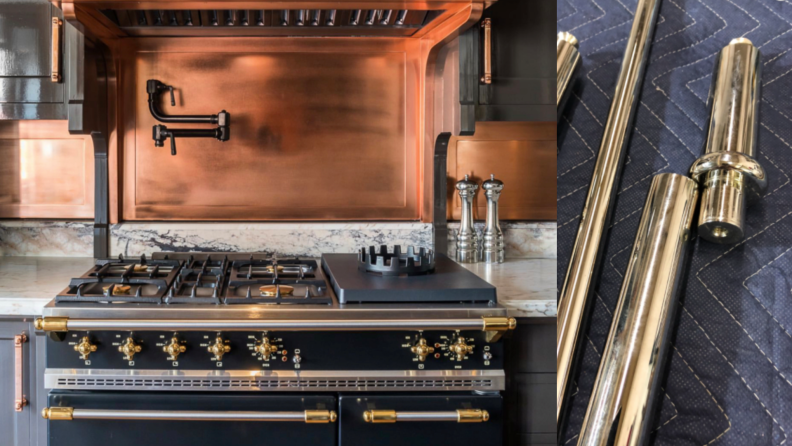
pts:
[422, 350]
[265, 349]
[84, 347]
[129, 348]
[219, 348]
[174, 348]
[460, 348]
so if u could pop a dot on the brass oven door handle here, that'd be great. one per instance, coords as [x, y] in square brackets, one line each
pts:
[486, 24]
[494, 327]
[459, 416]
[70, 413]
[56, 49]
[19, 373]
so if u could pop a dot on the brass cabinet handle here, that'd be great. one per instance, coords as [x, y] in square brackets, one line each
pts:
[19, 373]
[70, 413]
[487, 25]
[56, 26]
[494, 327]
[460, 416]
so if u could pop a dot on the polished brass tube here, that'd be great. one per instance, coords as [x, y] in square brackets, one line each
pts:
[628, 381]
[728, 170]
[567, 64]
[585, 259]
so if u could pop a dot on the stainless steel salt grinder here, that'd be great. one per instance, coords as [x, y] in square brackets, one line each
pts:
[728, 171]
[467, 249]
[492, 250]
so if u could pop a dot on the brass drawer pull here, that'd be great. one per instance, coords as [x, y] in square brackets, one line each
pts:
[70, 413]
[495, 327]
[460, 416]
[56, 27]
[486, 24]
[19, 373]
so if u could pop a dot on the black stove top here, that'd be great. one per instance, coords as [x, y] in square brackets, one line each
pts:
[448, 283]
[201, 278]
[259, 278]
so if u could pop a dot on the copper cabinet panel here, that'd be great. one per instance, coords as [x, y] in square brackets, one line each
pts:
[316, 133]
[522, 155]
[45, 173]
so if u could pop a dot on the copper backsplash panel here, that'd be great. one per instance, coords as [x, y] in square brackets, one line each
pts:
[521, 154]
[45, 172]
[319, 130]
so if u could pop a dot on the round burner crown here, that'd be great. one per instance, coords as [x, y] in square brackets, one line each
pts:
[396, 263]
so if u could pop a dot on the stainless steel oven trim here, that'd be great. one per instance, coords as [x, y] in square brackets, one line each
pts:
[288, 381]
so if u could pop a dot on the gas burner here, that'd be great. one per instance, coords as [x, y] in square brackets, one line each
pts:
[276, 281]
[133, 280]
[396, 263]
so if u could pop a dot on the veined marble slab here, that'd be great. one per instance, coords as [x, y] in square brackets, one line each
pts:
[283, 239]
[522, 239]
[527, 287]
[49, 239]
[52, 238]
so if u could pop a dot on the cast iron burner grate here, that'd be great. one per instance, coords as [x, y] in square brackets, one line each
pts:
[396, 264]
[276, 281]
[200, 281]
[138, 280]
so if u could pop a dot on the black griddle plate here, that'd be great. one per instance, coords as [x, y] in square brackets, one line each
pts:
[449, 283]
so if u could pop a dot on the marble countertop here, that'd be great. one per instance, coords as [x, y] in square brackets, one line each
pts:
[526, 286]
[28, 283]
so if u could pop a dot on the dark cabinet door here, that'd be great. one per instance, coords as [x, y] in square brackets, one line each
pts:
[14, 425]
[188, 418]
[427, 419]
[26, 47]
[523, 68]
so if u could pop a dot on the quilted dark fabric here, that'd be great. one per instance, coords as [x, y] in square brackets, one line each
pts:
[730, 368]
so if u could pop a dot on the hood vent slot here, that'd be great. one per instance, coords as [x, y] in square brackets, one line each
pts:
[263, 22]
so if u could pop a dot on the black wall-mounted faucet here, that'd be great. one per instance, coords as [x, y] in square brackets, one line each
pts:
[160, 132]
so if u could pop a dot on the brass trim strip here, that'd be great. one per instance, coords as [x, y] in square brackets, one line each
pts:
[55, 61]
[320, 416]
[486, 24]
[58, 413]
[51, 324]
[379, 416]
[496, 327]
[19, 373]
[472, 416]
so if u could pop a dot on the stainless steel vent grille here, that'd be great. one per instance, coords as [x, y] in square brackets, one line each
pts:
[271, 22]
[145, 383]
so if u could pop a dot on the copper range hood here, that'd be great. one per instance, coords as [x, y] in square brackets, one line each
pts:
[180, 18]
[332, 106]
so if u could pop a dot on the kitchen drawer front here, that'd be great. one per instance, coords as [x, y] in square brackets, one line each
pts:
[355, 430]
[168, 432]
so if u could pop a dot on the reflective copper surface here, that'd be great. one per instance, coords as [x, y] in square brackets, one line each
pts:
[45, 172]
[324, 128]
[521, 154]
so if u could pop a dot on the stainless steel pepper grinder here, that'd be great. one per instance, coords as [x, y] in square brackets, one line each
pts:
[492, 248]
[467, 249]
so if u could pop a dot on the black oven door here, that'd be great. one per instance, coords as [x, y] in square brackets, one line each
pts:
[78, 418]
[428, 419]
